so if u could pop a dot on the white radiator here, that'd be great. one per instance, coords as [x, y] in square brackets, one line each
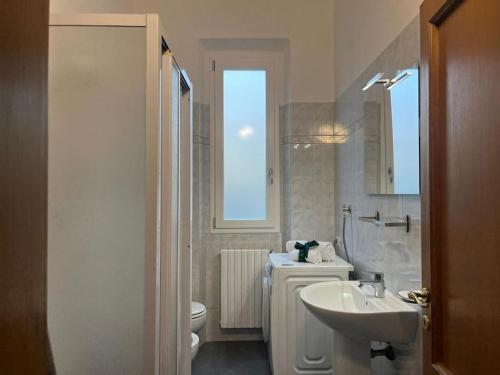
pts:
[241, 288]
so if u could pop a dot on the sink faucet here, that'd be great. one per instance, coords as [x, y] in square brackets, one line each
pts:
[377, 283]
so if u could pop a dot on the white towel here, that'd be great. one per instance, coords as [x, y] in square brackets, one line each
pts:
[326, 248]
[313, 256]
[294, 255]
[327, 251]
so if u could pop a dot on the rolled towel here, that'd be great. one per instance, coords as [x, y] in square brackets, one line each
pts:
[290, 245]
[327, 250]
[304, 249]
[313, 256]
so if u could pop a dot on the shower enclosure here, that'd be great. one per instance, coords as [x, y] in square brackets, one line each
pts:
[119, 197]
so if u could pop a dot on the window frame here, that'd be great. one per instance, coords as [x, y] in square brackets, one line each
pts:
[243, 60]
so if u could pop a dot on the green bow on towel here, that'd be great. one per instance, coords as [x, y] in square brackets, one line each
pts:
[304, 249]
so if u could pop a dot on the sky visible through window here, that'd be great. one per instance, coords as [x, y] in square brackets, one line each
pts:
[245, 173]
[404, 111]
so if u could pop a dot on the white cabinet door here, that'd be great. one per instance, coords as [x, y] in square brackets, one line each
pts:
[307, 342]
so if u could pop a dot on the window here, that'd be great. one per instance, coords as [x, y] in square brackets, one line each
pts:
[244, 148]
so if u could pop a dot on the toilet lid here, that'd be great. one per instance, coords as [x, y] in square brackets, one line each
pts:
[197, 309]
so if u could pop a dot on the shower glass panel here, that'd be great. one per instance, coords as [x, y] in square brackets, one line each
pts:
[96, 226]
[245, 143]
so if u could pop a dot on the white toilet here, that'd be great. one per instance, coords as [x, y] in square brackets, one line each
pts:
[195, 344]
[198, 316]
[198, 319]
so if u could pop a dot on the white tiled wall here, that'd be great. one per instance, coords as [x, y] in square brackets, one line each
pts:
[322, 165]
[307, 201]
[389, 250]
[206, 245]
[308, 171]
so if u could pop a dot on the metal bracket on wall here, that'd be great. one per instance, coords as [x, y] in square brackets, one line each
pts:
[387, 222]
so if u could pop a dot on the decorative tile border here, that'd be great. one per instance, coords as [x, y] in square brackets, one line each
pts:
[310, 139]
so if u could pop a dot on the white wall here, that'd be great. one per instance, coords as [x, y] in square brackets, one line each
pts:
[327, 51]
[306, 24]
[362, 30]
[392, 251]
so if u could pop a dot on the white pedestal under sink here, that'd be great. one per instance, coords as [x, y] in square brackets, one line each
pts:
[358, 319]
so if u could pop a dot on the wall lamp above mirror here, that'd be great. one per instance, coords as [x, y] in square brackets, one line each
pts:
[376, 80]
[388, 83]
[400, 77]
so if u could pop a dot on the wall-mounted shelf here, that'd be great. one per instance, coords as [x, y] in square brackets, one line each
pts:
[387, 222]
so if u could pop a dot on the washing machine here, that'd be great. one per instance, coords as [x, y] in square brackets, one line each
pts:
[298, 343]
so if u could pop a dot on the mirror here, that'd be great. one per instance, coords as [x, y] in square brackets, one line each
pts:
[392, 159]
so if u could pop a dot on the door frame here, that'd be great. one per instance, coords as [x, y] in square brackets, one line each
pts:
[155, 43]
[432, 14]
[24, 340]
[175, 261]
[186, 220]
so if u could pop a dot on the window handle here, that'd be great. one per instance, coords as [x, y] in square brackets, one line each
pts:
[270, 174]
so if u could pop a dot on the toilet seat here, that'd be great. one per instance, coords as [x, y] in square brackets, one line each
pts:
[197, 310]
[198, 316]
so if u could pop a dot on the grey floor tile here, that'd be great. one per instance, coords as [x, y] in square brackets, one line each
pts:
[232, 358]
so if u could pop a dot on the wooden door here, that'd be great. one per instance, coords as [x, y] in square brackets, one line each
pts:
[24, 345]
[460, 135]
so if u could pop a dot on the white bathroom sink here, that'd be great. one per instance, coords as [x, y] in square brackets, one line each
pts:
[349, 310]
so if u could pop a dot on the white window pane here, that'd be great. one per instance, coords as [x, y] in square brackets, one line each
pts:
[244, 125]
[404, 104]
